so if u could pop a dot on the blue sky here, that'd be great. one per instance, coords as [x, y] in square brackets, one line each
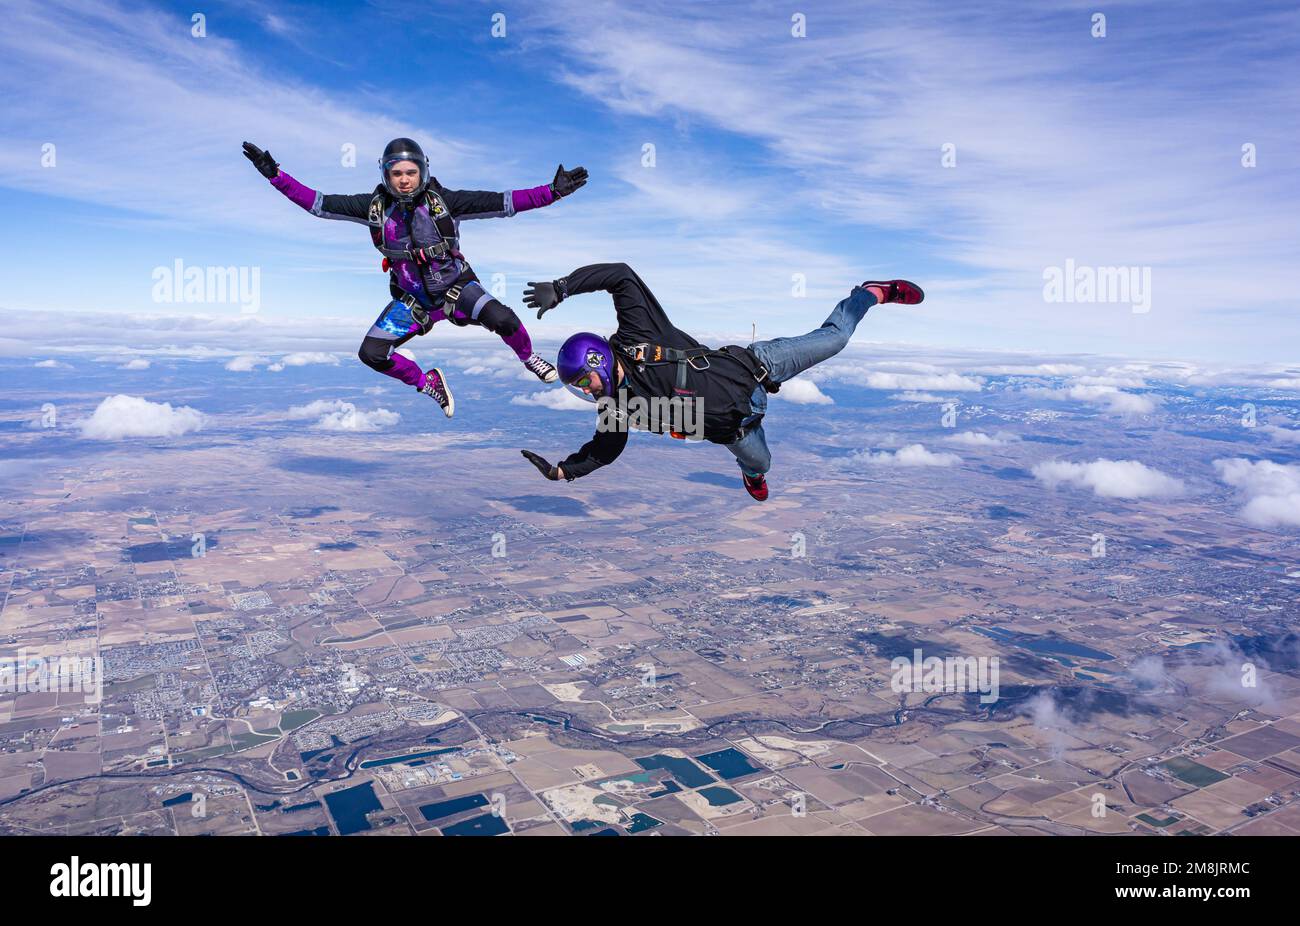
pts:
[775, 155]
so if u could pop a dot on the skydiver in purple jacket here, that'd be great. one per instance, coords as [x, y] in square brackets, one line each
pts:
[414, 223]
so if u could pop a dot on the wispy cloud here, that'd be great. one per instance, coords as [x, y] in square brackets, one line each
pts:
[1067, 146]
[776, 157]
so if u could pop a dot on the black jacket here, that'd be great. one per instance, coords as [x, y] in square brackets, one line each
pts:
[725, 387]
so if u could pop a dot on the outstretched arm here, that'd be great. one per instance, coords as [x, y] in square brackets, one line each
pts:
[634, 304]
[485, 204]
[348, 208]
[602, 450]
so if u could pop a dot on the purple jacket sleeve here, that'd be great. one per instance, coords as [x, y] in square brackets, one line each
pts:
[538, 196]
[328, 206]
[295, 192]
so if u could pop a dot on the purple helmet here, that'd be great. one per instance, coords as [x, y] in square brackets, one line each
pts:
[584, 353]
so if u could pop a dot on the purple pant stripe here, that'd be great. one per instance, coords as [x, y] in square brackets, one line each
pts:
[520, 343]
[406, 370]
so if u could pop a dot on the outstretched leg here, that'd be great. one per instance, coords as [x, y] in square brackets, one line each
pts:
[502, 321]
[786, 358]
[391, 330]
[377, 354]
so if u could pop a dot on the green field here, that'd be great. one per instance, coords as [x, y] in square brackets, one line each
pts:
[1193, 772]
[293, 719]
[1147, 818]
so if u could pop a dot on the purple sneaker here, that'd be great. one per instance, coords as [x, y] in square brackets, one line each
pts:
[436, 386]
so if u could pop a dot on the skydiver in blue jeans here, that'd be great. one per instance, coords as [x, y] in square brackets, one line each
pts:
[648, 358]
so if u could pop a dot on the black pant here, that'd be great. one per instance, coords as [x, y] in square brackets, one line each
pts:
[495, 316]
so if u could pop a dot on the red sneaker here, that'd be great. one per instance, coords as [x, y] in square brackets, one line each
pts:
[756, 486]
[904, 292]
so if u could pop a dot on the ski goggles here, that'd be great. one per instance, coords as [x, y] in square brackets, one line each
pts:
[587, 386]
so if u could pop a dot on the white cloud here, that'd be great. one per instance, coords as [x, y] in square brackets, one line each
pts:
[980, 439]
[911, 455]
[947, 382]
[315, 409]
[1110, 478]
[1281, 435]
[928, 397]
[556, 399]
[1122, 403]
[1271, 490]
[52, 365]
[1104, 396]
[354, 419]
[139, 363]
[337, 415]
[244, 363]
[1120, 379]
[123, 416]
[302, 359]
[803, 392]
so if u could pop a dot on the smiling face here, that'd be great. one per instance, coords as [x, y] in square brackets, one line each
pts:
[404, 176]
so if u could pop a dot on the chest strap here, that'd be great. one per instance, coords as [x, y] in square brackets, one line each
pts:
[696, 358]
[655, 355]
[443, 223]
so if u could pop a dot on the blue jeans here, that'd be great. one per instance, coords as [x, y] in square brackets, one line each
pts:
[786, 358]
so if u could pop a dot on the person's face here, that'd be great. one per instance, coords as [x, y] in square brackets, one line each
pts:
[590, 383]
[404, 176]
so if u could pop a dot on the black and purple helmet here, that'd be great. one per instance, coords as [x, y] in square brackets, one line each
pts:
[404, 149]
[582, 354]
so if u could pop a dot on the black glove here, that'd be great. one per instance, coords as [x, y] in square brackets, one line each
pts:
[566, 181]
[262, 160]
[546, 469]
[545, 296]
